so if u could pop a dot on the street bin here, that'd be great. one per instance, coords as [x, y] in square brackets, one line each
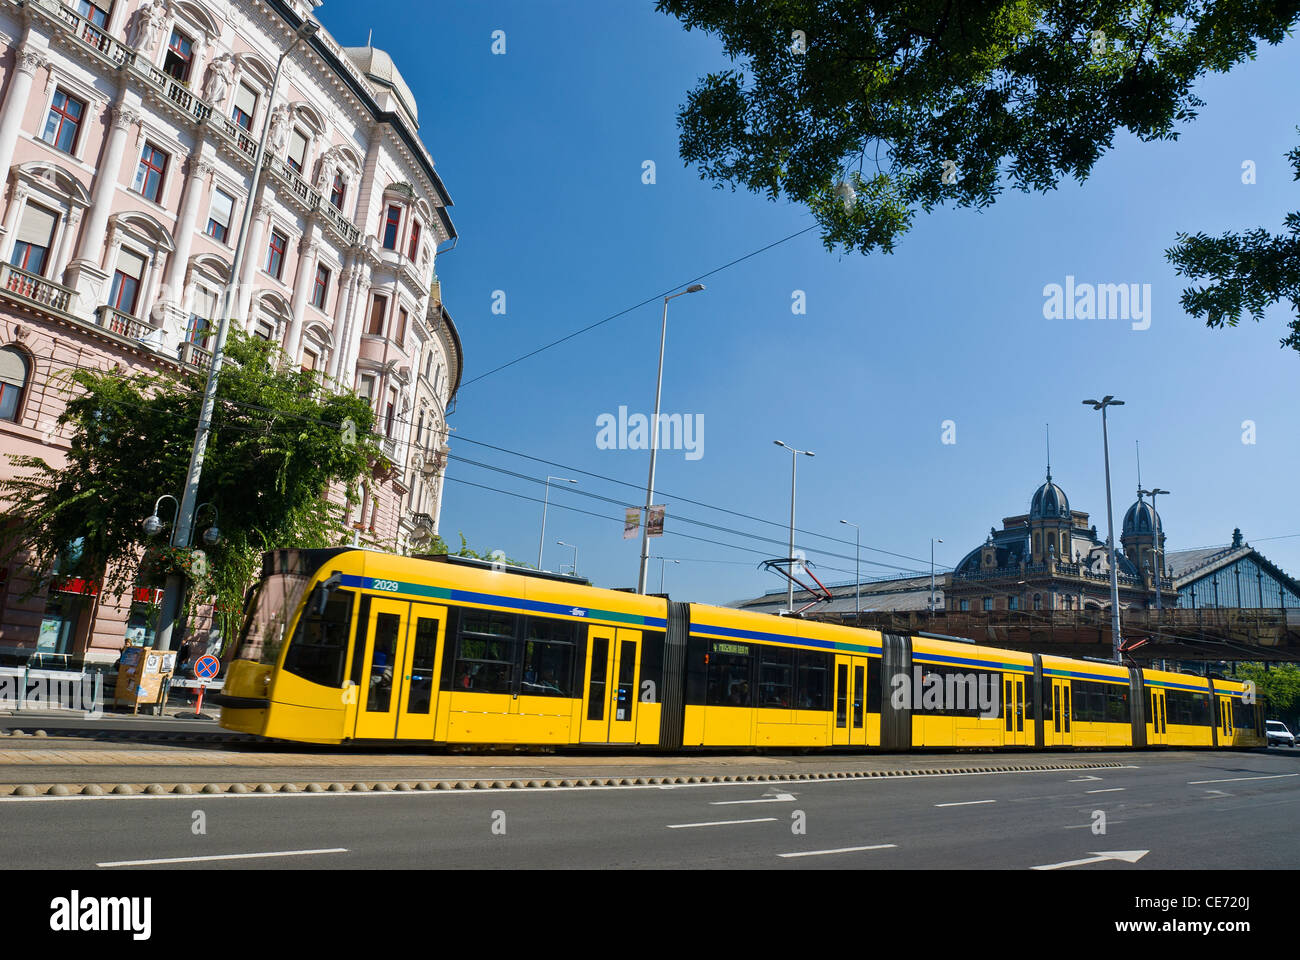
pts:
[143, 675]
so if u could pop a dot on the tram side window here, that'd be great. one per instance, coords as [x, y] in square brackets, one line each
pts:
[1188, 708]
[1047, 699]
[873, 685]
[1243, 715]
[812, 689]
[775, 677]
[485, 654]
[1117, 705]
[548, 658]
[730, 669]
[320, 643]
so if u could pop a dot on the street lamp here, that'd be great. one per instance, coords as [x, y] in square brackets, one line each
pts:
[857, 567]
[575, 554]
[933, 541]
[654, 441]
[1116, 639]
[1155, 542]
[662, 561]
[545, 503]
[794, 460]
[184, 528]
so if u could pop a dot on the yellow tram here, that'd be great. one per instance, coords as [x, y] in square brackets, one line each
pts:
[349, 645]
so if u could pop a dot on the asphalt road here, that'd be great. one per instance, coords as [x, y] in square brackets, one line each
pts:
[1177, 811]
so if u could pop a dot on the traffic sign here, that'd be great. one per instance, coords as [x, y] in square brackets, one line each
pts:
[206, 667]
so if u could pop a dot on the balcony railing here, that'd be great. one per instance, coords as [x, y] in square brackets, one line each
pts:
[123, 324]
[36, 289]
[310, 198]
[196, 356]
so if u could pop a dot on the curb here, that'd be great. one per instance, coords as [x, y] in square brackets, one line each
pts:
[370, 786]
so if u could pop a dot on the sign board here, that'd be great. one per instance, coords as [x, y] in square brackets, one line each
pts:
[142, 677]
[655, 523]
[205, 668]
[631, 522]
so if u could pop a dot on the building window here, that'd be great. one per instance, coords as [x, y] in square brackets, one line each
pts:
[265, 331]
[401, 326]
[198, 331]
[391, 414]
[149, 175]
[297, 150]
[63, 122]
[13, 381]
[321, 290]
[180, 56]
[1038, 601]
[338, 190]
[964, 605]
[366, 388]
[126, 282]
[419, 428]
[392, 223]
[378, 307]
[988, 603]
[35, 233]
[245, 107]
[1013, 603]
[413, 251]
[223, 206]
[96, 15]
[275, 254]
[309, 360]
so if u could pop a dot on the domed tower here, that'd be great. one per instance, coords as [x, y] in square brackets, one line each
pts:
[1049, 523]
[1139, 534]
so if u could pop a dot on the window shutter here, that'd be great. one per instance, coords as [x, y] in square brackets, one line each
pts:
[37, 226]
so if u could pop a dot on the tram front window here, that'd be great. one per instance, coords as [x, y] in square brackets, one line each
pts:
[267, 615]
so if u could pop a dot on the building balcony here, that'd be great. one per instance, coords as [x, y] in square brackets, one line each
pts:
[123, 324]
[194, 355]
[36, 290]
[310, 200]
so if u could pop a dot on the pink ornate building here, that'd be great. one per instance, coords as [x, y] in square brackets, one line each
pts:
[127, 136]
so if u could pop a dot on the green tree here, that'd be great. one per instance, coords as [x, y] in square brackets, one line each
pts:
[1278, 686]
[867, 112]
[438, 546]
[279, 439]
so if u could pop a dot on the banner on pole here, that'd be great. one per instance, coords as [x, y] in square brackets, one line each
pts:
[631, 522]
[655, 522]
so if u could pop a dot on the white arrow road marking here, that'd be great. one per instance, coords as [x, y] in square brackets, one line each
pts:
[779, 798]
[1128, 856]
[226, 856]
[719, 823]
[964, 803]
[1211, 794]
[1106, 790]
[819, 853]
[1276, 776]
[1083, 779]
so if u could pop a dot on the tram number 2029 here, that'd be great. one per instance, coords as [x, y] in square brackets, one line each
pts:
[389, 585]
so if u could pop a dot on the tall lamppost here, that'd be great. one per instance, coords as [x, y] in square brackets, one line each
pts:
[1155, 542]
[575, 554]
[184, 528]
[933, 541]
[857, 567]
[654, 441]
[662, 561]
[794, 461]
[1116, 639]
[545, 503]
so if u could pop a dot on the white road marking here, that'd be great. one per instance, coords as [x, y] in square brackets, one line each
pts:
[1083, 779]
[779, 798]
[1128, 856]
[719, 823]
[820, 853]
[1276, 776]
[964, 803]
[226, 856]
[1213, 794]
[1107, 790]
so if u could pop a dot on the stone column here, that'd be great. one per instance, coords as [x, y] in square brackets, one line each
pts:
[27, 60]
[65, 244]
[16, 203]
[340, 326]
[197, 171]
[308, 249]
[124, 118]
[253, 254]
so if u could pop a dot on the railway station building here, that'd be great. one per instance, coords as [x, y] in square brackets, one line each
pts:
[128, 130]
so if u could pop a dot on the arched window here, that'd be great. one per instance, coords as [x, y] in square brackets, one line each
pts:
[1038, 601]
[13, 382]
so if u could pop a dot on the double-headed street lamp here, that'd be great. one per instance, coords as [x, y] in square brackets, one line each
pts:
[561, 543]
[184, 528]
[794, 461]
[662, 561]
[545, 503]
[933, 541]
[857, 566]
[1116, 639]
[654, 441]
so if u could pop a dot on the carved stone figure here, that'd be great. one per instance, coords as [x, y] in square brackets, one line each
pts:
[279, 135]
[221, 74]
[146, 26]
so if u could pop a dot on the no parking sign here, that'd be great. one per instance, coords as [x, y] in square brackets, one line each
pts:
[205, 668]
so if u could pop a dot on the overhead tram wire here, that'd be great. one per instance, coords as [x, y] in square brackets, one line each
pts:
[646, 302]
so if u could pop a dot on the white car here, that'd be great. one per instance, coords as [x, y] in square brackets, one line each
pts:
[1279, 734]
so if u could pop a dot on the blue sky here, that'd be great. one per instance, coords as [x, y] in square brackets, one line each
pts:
[543, 148]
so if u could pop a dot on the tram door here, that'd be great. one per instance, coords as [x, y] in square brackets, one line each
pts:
[1061, 735]
[610, 685]
[850, 702]
[1013, 710]
[399, 665]
[1225, 721]
[1157, 732]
